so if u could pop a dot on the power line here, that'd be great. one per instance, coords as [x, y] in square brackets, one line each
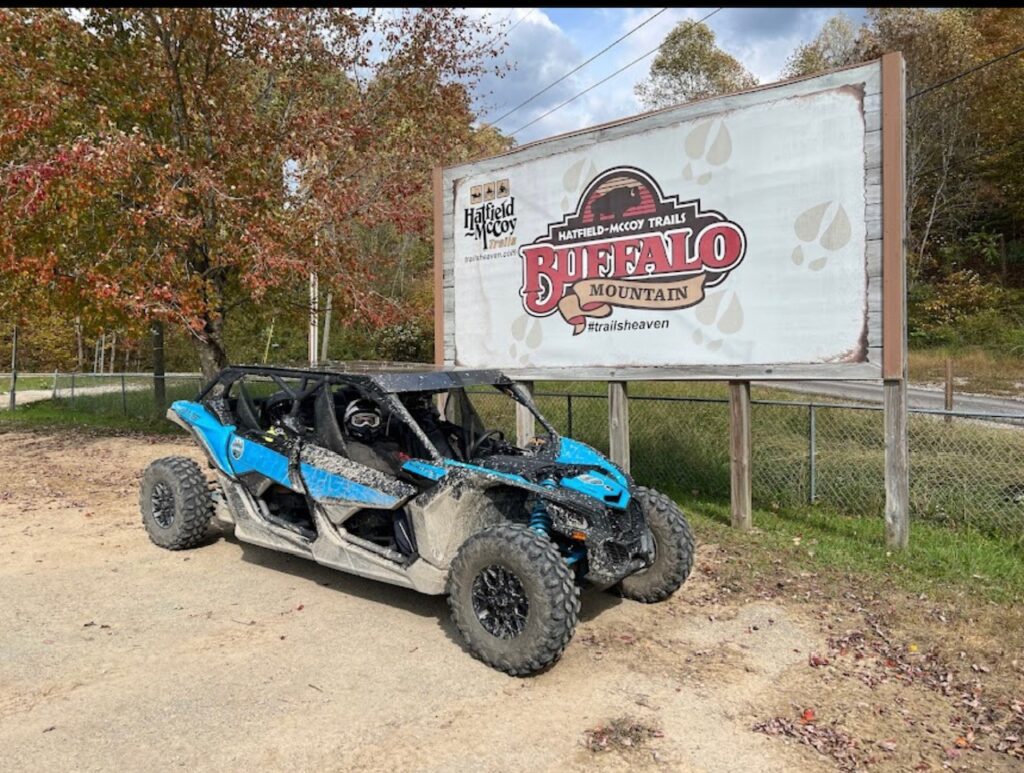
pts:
[965, 73]
[521, 20]
[577, 68]
[605, 80]
[505, 33]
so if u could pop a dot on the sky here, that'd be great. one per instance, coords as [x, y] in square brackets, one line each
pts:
[546, 43]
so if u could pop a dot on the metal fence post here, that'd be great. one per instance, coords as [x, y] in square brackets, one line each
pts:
[568, 410]
[812, 437]
[124, 399]
[14, 369]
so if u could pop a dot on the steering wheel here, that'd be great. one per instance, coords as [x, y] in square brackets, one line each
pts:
[471, 452]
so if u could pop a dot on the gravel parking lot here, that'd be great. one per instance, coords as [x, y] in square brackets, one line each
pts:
[118, 655]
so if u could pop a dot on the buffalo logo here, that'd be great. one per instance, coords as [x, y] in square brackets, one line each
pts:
[629, 245]
[237, 447]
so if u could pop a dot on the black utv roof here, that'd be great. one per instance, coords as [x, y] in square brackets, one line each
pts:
[403, 379]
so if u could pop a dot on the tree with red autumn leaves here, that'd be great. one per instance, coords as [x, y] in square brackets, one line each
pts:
[143, 152]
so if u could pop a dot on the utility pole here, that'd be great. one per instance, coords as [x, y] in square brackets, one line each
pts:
[78, 340]
[327, 327]
[270, 336]
[159, 386]
[314, 318]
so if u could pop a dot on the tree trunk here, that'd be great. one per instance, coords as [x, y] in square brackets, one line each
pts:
[210, 348]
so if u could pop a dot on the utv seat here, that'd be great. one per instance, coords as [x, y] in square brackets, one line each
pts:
[248, 416]
[328, 431]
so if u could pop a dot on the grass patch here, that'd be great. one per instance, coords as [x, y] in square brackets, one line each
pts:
[975, 370]
[939, 561]
[26, 383]
[56, 415]
[964, 474]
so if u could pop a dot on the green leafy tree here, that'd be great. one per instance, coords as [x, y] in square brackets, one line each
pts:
[834, 46]
[689, 66]
[948, 190]
[142, 152]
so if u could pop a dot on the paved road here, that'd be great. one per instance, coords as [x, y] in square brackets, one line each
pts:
[919, 396]
[26, 396]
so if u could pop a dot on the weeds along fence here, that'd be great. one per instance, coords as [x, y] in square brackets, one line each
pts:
[127, 395]
[966, 469]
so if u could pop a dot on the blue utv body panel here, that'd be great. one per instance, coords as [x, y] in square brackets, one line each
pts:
[574, 452]
[424, 469]
[214, 435]
[259, 459]
[599, 487]
[328, 485]
[609, 486]
[509, 476]
[235, 455]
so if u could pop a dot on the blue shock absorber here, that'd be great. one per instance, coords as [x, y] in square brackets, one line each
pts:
[576, 552]
[540, 520]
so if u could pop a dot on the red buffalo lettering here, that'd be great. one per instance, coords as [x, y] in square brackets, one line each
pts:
[548, 270]
[720, 246]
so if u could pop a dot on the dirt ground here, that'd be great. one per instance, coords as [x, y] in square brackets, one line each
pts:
[115, 654]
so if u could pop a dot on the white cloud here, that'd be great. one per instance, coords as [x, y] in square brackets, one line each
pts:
[761, 39]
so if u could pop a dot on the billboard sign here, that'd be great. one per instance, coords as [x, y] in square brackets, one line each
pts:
[735, 237]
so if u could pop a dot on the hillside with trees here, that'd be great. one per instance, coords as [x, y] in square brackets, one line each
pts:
[146, 155]
[189, 168]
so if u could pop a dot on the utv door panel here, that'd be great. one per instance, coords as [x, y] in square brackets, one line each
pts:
[332, 479]
[248, 456]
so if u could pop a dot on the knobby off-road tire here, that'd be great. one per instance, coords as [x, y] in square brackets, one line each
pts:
[673, 550]
[513, 599]
[175, 502]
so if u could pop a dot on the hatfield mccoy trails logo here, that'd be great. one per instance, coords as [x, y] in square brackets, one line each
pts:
[628, 245]
[491, 216]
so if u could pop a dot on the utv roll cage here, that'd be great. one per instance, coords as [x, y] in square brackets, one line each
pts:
[382, 386]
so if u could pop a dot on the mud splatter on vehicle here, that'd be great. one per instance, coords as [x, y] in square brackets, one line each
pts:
[363, 472]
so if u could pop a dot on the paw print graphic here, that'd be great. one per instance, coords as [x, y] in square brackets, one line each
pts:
[708, 145]
[810, 229]
[721, 314]
[527, 336]
[574, 179]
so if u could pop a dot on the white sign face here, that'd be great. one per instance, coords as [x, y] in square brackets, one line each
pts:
[734, 238]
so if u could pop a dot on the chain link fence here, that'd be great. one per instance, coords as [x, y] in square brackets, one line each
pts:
[966, 469]
[128, 395]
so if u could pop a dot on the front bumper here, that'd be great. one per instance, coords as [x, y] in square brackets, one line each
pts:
[618, 545]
